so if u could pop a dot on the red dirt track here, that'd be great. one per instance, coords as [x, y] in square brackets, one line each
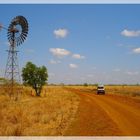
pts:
[105, 115]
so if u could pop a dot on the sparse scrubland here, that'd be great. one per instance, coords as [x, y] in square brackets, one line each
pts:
[62, 110]
[49, 114]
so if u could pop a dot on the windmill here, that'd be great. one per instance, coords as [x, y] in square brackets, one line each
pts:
[16, 33]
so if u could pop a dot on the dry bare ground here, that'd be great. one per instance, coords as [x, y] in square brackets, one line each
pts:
[47, 115]
[100, 115]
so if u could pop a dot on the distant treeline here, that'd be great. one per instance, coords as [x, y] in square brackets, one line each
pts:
[86, 84]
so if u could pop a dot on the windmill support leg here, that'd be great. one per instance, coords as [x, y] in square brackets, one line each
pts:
[12, 73]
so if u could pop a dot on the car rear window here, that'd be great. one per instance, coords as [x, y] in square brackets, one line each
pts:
[100, 87]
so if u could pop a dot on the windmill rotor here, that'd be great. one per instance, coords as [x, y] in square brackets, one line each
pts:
[17, 30]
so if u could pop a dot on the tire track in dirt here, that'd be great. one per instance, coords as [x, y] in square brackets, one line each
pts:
[123, 117]
[126, 117]
[91, 120]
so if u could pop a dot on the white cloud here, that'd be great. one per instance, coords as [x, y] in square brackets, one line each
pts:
[58, 52]
[132, 73]
[136, 50]
[60, 33]
[130, 33]
[73, 66]
[78, 56]
[54, 61]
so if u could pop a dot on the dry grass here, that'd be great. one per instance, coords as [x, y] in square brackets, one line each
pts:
[133, 91]
[50, 114]
[47, 115]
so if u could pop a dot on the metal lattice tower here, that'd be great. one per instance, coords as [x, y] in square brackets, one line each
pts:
[17, 33]
[12, 72]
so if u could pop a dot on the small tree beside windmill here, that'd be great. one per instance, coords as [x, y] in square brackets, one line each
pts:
[34, 76]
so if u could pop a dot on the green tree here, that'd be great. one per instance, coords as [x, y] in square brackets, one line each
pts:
[85, 84]
[34, 76]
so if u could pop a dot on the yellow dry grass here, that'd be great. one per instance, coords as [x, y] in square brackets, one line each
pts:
[133, 91]
[47, 115]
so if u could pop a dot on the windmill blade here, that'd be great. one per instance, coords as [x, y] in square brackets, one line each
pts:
[20, 34]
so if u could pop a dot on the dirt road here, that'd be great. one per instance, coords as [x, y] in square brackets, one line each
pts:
[105, 115]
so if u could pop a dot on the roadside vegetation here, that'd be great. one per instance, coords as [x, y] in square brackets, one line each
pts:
[47, 115]
[128, 90]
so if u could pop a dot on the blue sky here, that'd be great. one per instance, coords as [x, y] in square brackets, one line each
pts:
[78, 43]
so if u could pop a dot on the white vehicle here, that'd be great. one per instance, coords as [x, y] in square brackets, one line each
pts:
[100, 89]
